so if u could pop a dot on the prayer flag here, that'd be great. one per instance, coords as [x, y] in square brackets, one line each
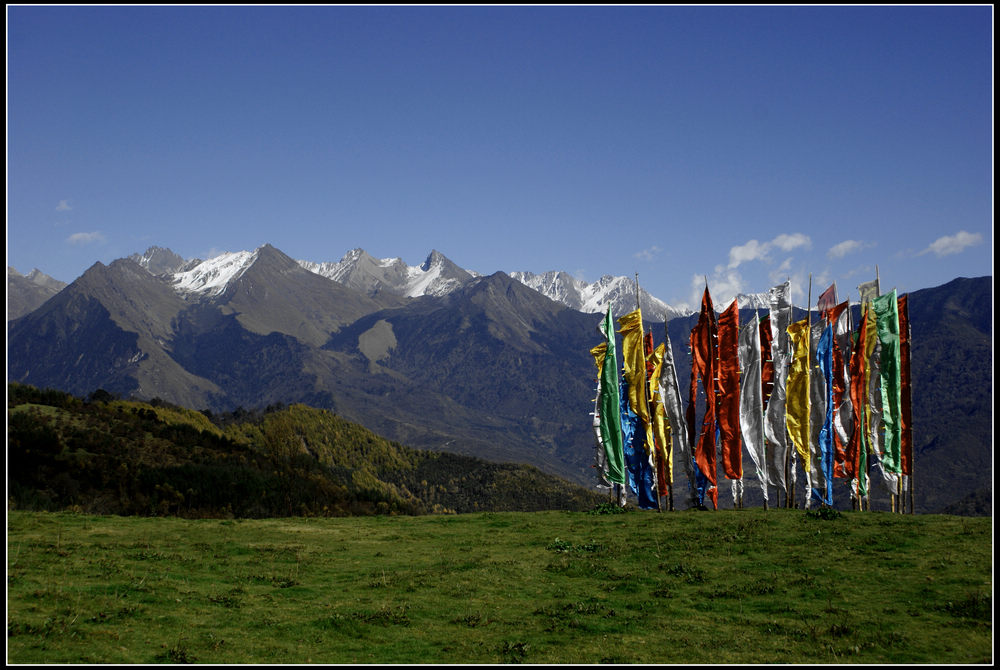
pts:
[639, 471]
[822, 474]
[634, 365]
[728, 376]
[827, 299]
[661, 425]
[703, 355]
[600, 457]
[887, 318]
[774, 418]
[797, 392]
[751, 399]
[670, 395]
[609, 406]
[843, 412]
[857, 448]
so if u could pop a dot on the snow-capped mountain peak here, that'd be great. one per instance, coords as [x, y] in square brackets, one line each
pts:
[435, 276]
[619, 292]
[160, 261]
[211, 277]
[753, 301]
[555, 285]
[38, 277]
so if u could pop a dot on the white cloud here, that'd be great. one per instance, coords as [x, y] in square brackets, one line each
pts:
[697, 290]
[751, 251]
[724, 285]
[783, 269]
[755, 250]
[799, 285]
[793, 241]
[848, 247]
[726, 282]
[953, 244]
[860, 271]
[647, 254]
[63, 206]
[85, 238]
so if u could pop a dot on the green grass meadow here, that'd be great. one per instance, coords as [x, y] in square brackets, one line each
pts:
[738, 586]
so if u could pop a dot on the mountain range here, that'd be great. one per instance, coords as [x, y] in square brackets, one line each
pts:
[433, 356]
[436, 276]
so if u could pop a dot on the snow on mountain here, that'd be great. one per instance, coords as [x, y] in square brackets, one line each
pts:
[39, 278]
[160, 261]
[559, 286]
[753, 301]
[426, 282]
[435, 276]
[211, 277]
[619, 292]
[355, 264]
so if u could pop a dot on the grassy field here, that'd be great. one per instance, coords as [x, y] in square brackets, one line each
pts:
[748, 586]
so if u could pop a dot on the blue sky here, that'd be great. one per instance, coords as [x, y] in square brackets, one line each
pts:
[745, 145]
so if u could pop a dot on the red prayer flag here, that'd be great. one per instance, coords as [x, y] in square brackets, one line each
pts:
[766, 364]
[857, 391]
[728, 385]
[827, 299]
[703, 337]
[839, 389]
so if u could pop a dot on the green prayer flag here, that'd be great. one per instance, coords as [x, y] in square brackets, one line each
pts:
[887, 321]
[609, 406]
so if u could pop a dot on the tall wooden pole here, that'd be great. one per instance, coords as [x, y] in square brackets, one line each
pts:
[789, 490]
[878, 292]
[913, 453]
[809, 359]
[909, 345]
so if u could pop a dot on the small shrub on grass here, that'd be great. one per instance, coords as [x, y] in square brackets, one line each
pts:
[824, 513]
[690, 574]
[974, 606]
[608, 508]
[512, 652]
[178, 654]
[565, 547]
[386, 616]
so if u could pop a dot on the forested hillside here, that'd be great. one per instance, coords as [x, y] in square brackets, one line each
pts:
[110, 456]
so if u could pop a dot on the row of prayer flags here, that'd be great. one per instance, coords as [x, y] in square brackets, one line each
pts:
[818, 397]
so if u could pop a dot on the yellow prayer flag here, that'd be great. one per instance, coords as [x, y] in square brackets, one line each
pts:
[599, 352]
[634, 364]
[797, 390]
[661, 424]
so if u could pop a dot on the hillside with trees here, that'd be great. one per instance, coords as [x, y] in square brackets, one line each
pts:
[105, 455]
